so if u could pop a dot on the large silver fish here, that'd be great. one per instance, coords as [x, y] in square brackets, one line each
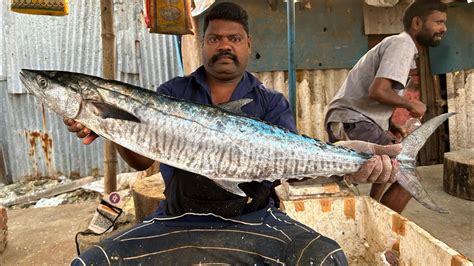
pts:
[211, 141]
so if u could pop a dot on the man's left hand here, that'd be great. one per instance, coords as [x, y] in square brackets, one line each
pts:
[381, 168]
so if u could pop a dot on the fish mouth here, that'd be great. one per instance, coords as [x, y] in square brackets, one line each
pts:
[27, 77]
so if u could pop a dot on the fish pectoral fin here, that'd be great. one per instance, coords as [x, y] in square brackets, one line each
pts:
[235, 106]
[230, 186]
[105, 110]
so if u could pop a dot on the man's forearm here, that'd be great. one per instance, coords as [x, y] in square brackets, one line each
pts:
[381, 91]
[133, 159]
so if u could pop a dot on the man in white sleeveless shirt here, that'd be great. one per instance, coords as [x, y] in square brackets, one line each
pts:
[362, 107]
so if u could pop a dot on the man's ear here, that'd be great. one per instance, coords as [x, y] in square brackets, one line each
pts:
[417, 23]
[249, 42]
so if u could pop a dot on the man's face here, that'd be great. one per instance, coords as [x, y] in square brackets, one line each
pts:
[432, 29]
[226, 49]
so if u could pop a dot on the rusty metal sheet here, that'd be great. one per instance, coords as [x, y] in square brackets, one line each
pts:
[35, 141]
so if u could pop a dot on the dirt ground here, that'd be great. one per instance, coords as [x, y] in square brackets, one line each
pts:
[45, 236]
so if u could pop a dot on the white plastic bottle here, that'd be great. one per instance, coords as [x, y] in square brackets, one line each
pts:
[411, 124]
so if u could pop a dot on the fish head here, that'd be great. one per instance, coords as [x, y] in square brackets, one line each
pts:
[55, 89]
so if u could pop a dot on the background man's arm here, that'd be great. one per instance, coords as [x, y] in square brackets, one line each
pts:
[381, 91]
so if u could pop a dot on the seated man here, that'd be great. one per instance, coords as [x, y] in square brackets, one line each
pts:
[199, 222]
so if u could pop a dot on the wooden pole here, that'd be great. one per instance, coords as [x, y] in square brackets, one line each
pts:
[108, 68]
[432, 152]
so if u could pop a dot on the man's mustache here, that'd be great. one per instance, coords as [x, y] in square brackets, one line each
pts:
[228, 54]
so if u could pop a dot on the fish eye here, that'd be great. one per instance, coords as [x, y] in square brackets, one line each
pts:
[42, 82]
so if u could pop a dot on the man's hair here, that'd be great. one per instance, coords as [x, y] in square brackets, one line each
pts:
[422, 9]
[227, 11]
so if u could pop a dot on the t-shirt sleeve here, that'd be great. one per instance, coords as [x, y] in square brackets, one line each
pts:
[278, 112]
[396, 61]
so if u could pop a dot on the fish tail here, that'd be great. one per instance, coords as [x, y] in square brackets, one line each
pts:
[407, 176]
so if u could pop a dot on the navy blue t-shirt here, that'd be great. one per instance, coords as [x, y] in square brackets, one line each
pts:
[267, 105]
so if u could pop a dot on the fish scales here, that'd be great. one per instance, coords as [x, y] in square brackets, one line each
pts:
[185, 126]
[226, 147]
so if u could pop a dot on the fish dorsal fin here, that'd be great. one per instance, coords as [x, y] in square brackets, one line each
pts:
[105, 110]
[235, 106]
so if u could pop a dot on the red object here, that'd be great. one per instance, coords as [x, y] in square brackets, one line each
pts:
[401, 115]
[147, 13]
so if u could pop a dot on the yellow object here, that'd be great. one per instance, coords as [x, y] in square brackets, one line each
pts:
[170, 16]
[41, 7]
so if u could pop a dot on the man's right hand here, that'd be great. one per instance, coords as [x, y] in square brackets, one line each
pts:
[417, 109]
[81, 131]
[381, 168]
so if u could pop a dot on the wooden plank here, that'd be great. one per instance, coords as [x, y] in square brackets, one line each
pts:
[384, 20]
[432, 152]
[303, 103]
[453, 129]
[460, 103]
[469, 85]
[3, 166]
[49, 192]
[460, 88]
[191, 49]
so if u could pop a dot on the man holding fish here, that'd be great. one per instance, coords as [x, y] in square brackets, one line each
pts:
[205, 221]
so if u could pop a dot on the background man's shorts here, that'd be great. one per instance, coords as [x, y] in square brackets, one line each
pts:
[362, 130]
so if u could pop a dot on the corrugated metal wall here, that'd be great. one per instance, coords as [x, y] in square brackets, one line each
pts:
[315, 89]
[460, 86]
[36, 140]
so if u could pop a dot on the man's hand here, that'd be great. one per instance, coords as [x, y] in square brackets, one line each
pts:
[381, 168]
[81, 131]
[417, 109]
[398, 132]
